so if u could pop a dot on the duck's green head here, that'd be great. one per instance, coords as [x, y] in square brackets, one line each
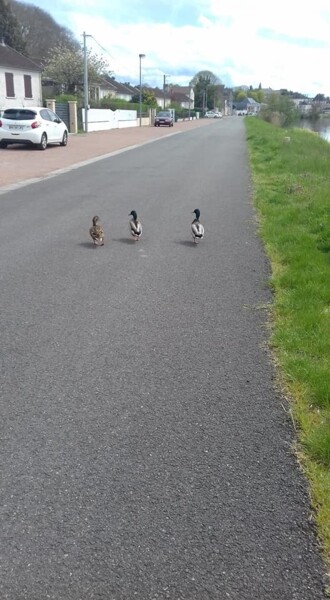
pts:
[197, 213]
[133, 214]
[95, 219]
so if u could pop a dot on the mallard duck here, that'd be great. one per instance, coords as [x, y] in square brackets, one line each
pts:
[197, 228]
[97, 232]
[135, 226]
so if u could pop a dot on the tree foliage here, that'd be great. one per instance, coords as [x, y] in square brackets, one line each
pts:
[206, 89]
[241, 94]
[205, 76]
[10, 30]
[147, 96]
[320, 98]
[40, 31]
[280, 110]
[66, 68]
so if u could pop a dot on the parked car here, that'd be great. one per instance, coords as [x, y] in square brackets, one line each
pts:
[164, 118]
[36, 126]
[210, 114]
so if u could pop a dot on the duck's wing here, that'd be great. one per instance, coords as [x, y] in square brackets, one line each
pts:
[197, 229]
[97, 232]
[135, 227]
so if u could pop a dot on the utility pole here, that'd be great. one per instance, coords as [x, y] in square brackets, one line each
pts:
[189, 101]
[86, 105]
[140, 91]
[164, 91]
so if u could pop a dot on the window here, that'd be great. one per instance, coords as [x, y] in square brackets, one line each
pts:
[10, 92]
[44, 113]
[27, 86]
[19, 114]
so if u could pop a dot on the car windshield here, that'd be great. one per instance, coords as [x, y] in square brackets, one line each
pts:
[163, 114]
[19, 114]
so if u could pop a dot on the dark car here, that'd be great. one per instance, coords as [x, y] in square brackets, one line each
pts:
[164, 118]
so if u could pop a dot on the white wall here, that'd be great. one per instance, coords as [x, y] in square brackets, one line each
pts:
[100, 119]
[19, 99]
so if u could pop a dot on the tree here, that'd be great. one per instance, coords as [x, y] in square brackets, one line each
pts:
[240, 95]
[205, 85]
[257, 95]
[208, 76]
[280, 110]
[40, 31]
[147, 97]
[66, 68]
[10, 30]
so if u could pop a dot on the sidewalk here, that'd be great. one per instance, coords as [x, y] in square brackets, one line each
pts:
[19, 163]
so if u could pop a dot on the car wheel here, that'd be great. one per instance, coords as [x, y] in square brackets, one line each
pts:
[64, 139]
[43, 142]
[3, 145]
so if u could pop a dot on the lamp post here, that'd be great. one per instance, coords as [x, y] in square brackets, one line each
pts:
[189, 101]
[140, 97]
[164, 91]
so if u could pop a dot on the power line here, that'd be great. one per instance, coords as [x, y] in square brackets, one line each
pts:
[104, 50]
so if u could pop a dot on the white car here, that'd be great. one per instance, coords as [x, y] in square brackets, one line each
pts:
[213, 115]
[32, 126]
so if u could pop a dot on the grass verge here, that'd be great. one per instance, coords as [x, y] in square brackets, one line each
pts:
[291, 177]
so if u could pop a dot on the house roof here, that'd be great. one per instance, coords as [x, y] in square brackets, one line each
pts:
[182, 89]
[179, 96]
[120, 88]
[12, 59]
[245, 103]
[160, 93]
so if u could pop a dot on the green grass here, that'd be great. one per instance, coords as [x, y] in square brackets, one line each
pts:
[291, 180]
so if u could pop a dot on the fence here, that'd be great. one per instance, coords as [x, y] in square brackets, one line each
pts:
[62, 110]
[100, 119]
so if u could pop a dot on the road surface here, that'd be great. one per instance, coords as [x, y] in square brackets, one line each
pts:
[145, 450]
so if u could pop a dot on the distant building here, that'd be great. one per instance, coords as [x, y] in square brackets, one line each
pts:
[108, 87]
[248, 106]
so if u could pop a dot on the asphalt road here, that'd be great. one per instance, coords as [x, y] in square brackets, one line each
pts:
[145, 450]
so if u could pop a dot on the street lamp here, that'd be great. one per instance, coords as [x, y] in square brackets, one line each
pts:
[164, 91]
[140, 98]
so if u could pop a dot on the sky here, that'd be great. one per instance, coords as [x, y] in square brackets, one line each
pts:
[284, 44]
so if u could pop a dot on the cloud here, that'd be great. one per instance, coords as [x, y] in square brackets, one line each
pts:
[269, 34]
[275, 44]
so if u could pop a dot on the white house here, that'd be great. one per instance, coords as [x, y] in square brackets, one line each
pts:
[108, 87]
[184, 95]
[20, 79]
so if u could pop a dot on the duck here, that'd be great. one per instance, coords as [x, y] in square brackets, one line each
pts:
[197, 228]
[135, 226]
[97, 232]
